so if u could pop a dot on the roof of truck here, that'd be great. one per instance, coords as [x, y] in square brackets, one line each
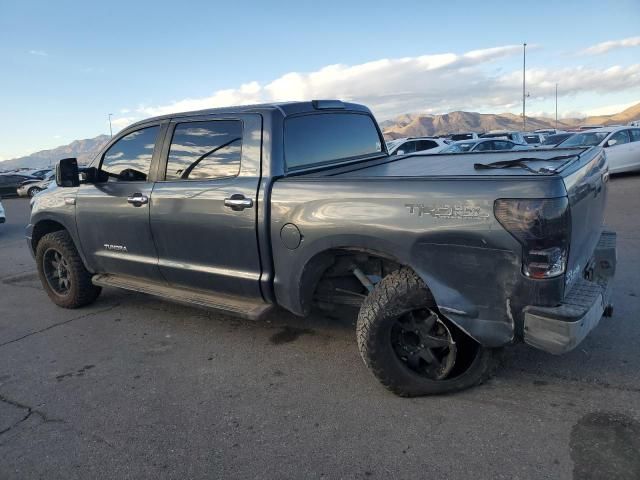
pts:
[284, 108]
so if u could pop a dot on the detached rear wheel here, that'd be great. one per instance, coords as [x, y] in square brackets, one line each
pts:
[412, 350]
[62, 273]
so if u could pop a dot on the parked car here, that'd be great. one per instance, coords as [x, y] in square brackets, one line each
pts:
[555, 139]
[9, 182]
[534, 139]
[404, 146]
[2, 214]
[242, 209]
[456, 137]
[482, 145]
[516, 137]
[622, 145]
[29, 188]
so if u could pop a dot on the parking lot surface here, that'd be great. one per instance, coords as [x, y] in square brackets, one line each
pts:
[134, 387]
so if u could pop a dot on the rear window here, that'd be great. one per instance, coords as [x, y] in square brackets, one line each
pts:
[329, 137]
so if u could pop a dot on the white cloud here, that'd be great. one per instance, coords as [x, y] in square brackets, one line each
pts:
[39, 53]
[429, 83]
[612, 44]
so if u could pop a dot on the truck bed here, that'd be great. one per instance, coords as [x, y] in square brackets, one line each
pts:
[455, 164]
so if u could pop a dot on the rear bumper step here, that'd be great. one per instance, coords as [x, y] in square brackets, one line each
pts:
[227, 304]
[560, 329]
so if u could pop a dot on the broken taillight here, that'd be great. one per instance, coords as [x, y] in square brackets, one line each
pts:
[543, 228]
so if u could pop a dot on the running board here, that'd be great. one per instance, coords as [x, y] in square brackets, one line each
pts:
[230, 305]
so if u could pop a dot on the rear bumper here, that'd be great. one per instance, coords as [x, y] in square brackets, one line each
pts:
[560, 329]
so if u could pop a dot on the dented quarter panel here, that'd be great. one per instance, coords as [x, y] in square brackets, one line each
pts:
[443, 228]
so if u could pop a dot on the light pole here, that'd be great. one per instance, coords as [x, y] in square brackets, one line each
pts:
[110, 130]
[556, 106]
[524, 69]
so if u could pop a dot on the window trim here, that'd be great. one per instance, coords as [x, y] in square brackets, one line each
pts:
[166, 149]
[154, 156]
[332, 163]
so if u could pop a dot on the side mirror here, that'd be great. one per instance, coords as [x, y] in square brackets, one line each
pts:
[399, 152]
[67, 173]
[611, 142]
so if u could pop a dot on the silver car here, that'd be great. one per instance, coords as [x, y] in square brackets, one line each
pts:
[29, 188]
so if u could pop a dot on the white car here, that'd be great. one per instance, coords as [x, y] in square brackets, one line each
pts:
[29, 188]
[534, 139]
[622, 145]
[403, 146]
[483, 145]
[2, 217]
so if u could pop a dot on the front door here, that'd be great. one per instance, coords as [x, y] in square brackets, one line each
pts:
[204, 212]
[113, 216]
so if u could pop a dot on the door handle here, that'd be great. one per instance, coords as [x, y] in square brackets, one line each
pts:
[137, 199]
[238, 202]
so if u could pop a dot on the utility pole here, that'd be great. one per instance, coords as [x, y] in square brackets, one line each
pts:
[556, 106]
[524, 83]
[110, 130]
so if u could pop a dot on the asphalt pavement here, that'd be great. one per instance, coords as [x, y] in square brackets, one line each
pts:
[135, 387]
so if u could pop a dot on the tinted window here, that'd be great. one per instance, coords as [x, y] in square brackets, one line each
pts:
[484, 147]
[329, 137]
[425, 145]
[620, 137]
[129, 159]
[407, 147]
[635, 134]
[502, 145]
[462, 136]
[589, 139]
[205, 150]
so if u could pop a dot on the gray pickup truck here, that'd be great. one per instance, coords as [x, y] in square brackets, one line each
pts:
[447, 257]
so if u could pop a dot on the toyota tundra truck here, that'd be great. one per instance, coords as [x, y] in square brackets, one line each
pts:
[448, 258]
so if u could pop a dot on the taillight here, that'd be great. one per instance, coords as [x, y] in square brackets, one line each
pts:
[543, 228]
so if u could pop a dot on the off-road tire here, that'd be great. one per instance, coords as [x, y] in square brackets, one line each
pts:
[81, 291]
[396, 294]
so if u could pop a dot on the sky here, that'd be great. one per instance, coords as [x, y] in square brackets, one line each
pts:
[65, 65]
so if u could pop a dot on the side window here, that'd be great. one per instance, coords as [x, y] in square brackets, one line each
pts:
[620, 137]
[484, 146]
[408, 147]
[635, 134]
[129, 159]
[205, 150]
[502, 145]
[426, 145]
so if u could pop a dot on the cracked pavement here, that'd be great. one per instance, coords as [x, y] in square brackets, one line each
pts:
[134, 387]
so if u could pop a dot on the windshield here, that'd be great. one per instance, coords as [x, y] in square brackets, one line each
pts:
[458, 147]
[391, 144]
[532, 138]
[587, 139]
[555, 139]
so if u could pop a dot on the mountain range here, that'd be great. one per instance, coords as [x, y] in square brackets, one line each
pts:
[420, 124]
[407, 125]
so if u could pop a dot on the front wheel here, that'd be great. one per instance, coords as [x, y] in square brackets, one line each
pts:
[411, 349]
[33, 191]
[62, 273]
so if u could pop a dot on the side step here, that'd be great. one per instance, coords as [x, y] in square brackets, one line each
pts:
[230, 305]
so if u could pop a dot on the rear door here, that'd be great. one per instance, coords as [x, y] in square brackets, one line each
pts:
[204, 209]
[113, 217]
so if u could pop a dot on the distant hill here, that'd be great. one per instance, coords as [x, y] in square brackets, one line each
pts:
[415, 125]
[83, 150]
[407, 125]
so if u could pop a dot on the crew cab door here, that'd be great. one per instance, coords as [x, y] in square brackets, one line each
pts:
[113, 216]
[204, 210]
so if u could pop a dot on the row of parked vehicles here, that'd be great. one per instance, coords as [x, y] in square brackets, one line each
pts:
[622, 143]
[25, 183]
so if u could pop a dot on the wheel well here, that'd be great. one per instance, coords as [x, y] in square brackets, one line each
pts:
[42, 228]
[328, 278]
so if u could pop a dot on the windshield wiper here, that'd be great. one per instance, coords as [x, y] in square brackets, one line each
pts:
[520, 162]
